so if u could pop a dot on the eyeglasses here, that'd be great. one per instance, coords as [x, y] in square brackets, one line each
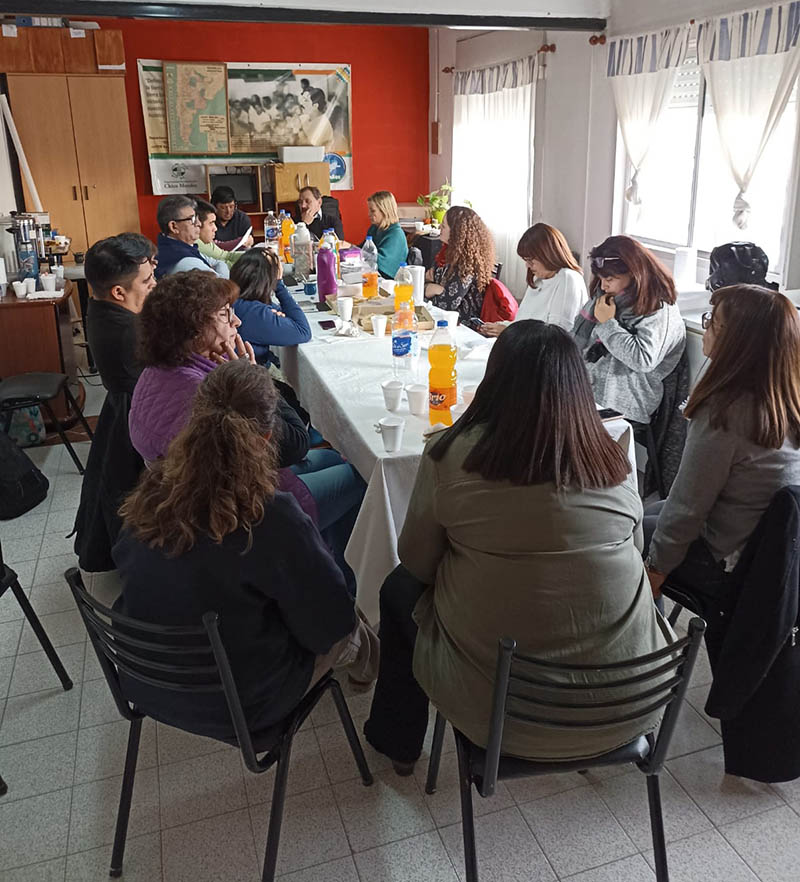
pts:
[597, 262]
[705, 320]
[227, 314]
[181, 220]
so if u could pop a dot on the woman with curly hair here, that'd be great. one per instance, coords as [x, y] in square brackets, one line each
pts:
[188, 327]
[208, 528]
[460, 284]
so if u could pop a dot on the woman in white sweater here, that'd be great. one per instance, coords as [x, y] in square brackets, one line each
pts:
[556, 288]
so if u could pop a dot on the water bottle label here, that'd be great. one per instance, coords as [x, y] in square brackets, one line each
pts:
[442, 399]
[271, 232]
[401, 345]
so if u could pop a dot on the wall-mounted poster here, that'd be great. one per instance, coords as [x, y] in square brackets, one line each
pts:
[269, 106]
[195, 98]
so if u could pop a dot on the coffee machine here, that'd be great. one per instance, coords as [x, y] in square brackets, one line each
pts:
[29, 230]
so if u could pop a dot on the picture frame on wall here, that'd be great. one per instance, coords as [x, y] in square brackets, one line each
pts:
[196, 108]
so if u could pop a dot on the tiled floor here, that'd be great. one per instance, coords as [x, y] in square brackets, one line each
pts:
[198, 815]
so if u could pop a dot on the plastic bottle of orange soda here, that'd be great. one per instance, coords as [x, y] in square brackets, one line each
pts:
[403, 287]
[442, 377]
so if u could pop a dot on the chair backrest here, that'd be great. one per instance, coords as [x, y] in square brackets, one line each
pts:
[499, 304]
[414, 257]
[662, 684]
[498, 268]
[175, 658]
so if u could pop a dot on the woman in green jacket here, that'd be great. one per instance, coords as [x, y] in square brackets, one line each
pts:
[386, 232]
[524, 522]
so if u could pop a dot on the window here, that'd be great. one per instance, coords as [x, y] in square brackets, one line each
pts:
[686, 185]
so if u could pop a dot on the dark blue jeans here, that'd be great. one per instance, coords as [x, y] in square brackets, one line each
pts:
[337, 489]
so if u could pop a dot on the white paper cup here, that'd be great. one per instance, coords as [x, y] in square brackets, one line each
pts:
[391, 431]
[59, 271]
[392, 393]
[456, 410]
[379, 325]
[468, 393]
[452, 320]
[345, 308]
[20, 289]
[418, 226]
[48, 281]
[30, 284]
[417, 395]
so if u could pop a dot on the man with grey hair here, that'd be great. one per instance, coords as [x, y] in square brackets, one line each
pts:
[177, 241]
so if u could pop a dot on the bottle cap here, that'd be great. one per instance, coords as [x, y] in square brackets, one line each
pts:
[442, 323]
[368, 239]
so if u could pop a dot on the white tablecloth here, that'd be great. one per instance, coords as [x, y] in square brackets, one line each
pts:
[338, 380]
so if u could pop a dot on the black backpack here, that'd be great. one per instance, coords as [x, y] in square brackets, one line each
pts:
[22, 485]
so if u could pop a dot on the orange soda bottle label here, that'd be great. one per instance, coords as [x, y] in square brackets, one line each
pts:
[442, 398]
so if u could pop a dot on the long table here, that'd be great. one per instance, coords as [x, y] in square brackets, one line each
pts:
[338, 380]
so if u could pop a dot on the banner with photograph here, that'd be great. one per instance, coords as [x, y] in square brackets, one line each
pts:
[269, 106]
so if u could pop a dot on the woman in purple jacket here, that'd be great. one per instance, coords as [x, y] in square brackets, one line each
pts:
[188, 327]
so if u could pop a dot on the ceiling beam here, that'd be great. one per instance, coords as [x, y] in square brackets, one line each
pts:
[224, 12]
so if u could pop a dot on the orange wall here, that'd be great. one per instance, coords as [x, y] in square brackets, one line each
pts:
[389, 94]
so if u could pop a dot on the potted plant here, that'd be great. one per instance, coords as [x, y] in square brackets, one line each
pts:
[438, 201]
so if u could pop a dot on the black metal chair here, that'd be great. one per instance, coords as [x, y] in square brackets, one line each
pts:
[9, 581]
[643, 434]
[498, 268]
[662, 685]
[193, 661]
[38, 390]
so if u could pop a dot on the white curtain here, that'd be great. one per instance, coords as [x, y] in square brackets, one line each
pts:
[641, 70]
[493, 154]
[750, 61]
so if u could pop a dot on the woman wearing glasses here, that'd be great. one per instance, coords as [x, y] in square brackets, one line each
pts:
[742, 443]
[187, 328]
[630, 331]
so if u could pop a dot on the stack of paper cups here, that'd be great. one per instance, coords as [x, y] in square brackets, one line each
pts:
[418, 275]
[3, 278]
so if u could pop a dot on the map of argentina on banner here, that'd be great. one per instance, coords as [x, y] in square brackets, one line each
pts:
[264, 106]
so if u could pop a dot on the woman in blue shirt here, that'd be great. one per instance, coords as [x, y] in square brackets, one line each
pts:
[386, 232]
[258, 275]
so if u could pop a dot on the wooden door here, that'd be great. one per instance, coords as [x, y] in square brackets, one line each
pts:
[46, 49]
[15, 52]
[105, 158]
[78, 48]
[291, 177]
[45, 129]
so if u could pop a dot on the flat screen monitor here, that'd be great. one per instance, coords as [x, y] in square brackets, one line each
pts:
[243, 186]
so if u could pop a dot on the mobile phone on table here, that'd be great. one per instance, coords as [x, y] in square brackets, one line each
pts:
[608, 413]
[323, 306]
[327, 325]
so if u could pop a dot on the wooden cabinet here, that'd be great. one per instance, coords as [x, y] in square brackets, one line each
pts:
[289, 178]
[62, 50]
[105, 158]
[79, 152]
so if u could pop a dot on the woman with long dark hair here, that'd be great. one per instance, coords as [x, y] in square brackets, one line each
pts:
[524, 522]
[556, 289]
[207, 528]
[743, 442]
[630, 332]
[459, 285]
[258, 275]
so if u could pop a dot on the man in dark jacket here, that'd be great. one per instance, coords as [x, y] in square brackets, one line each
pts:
[316, 215]
[119, 271]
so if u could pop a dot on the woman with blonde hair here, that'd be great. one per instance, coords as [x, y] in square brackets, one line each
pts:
[743, 442]
[459, 285]
[556, 288]
[208, 528]
[386, 233]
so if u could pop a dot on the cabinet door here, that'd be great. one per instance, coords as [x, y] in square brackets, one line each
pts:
[40, 105]
[291, 177]
[105, 158]
[15, 52]
[78, 51]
